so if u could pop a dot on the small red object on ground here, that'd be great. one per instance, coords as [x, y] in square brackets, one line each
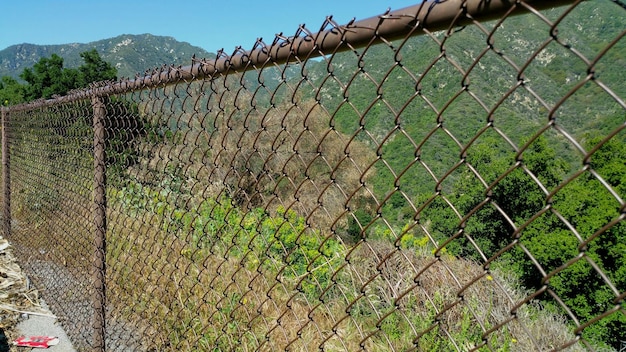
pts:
[36, 341]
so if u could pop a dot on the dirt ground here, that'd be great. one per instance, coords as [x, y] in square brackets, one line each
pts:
[18, 300]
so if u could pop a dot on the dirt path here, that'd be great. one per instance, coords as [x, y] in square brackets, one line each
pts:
[21, 310]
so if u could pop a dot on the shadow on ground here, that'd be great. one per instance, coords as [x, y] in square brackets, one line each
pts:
[4, 342]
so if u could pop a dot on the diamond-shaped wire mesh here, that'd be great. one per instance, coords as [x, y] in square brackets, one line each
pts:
[454, 187]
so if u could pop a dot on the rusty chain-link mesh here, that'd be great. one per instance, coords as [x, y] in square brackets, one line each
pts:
[380, 186]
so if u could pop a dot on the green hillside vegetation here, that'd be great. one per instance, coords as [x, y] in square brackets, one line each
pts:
[421, 130]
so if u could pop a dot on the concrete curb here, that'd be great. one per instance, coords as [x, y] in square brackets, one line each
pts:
[39, 325]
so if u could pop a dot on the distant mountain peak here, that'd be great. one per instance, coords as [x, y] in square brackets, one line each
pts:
[130, 53]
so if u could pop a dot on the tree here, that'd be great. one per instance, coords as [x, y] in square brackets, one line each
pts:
[517, 194]
[11, 91]
[95, 69]
[585, 204]
[589, 205]
[48, 77]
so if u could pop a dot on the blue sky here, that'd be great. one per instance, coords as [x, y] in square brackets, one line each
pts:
[209, 24]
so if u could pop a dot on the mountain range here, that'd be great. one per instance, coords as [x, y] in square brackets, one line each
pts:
[131, 54]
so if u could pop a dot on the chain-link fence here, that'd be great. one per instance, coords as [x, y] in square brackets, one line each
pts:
[449, 176]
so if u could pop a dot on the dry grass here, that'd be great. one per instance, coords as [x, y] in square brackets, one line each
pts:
[182, 298]
[53, 241]
[17, 298]
[381, 298]
[231, 295]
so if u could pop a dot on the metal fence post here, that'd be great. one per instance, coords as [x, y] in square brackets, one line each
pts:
[6, 175]
[99, 270]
